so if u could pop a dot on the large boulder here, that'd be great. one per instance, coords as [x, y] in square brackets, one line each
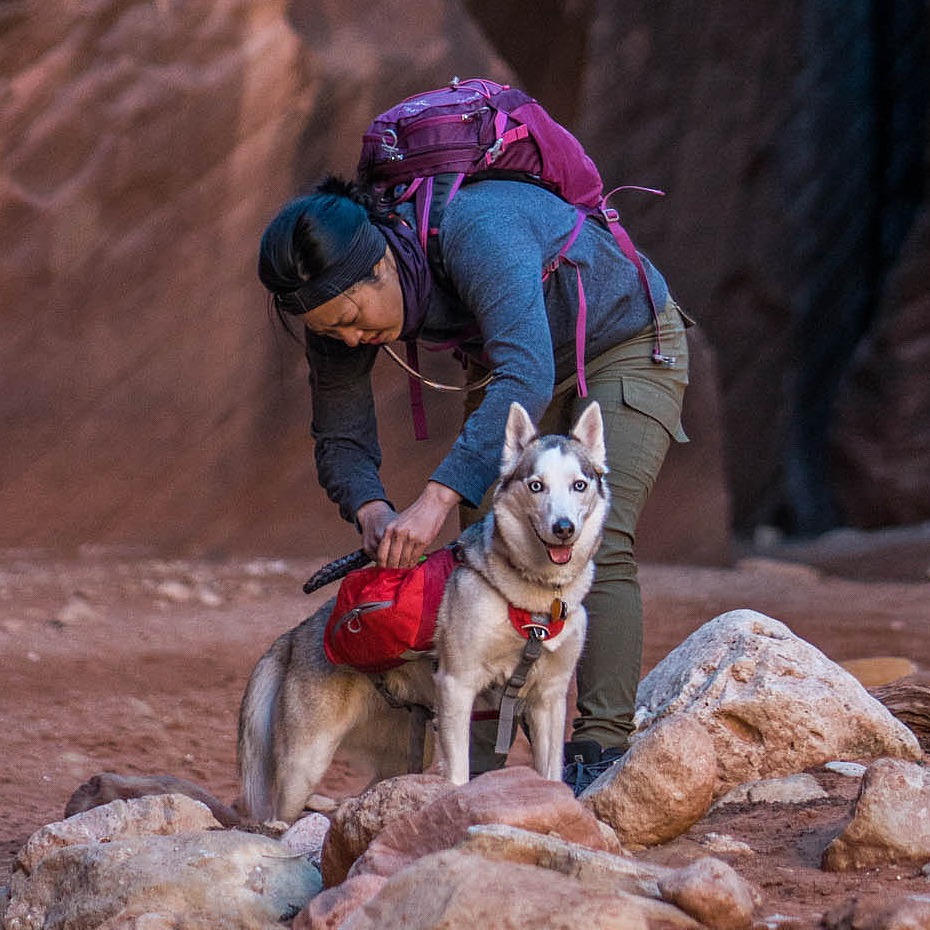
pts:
[772, 703]
[147, 146]
[455, 889]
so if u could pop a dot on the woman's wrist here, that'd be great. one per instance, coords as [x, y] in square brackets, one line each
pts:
[372, 507]
[442, 494]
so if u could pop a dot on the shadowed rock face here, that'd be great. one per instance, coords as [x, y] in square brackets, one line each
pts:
[150, 401]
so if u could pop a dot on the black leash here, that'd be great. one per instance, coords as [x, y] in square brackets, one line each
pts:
[337, 569]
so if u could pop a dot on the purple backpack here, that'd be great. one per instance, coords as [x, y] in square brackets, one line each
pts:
[424, 149]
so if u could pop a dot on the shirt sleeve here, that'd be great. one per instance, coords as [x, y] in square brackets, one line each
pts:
[496, 269]
[344, 426]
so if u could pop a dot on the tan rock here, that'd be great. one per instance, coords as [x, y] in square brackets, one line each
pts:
[152, 815]
[879, 670]
[661, 787]
[358, 820]
[109, 786]
[466, 891]
[792, 789]
[515, 796]
[712, 893]
[889, 822]
[232, 878]
[595, 868]
[773, 704]
[707, 889]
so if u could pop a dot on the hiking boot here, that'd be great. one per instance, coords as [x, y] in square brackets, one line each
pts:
[585, 761]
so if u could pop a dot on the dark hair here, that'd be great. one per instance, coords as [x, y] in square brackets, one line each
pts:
[310, 234]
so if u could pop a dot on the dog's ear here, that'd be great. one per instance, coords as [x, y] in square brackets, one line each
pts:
[518, 434]
[589, 431]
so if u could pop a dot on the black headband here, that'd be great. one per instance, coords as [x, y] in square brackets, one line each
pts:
[365, 250]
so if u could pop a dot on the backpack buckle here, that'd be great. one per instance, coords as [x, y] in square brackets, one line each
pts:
[610, 214]
[389, 145]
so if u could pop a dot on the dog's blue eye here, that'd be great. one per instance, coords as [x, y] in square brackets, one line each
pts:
[580, 485]
[535, 485]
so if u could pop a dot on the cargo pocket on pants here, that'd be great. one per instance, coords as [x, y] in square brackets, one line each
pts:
[660, 402]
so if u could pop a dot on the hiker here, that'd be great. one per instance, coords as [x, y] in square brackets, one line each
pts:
[357, 279]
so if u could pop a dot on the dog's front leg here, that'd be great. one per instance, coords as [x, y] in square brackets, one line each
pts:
[545, 713]
[455, 698]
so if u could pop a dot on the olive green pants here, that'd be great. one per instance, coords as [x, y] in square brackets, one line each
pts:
[641, 405]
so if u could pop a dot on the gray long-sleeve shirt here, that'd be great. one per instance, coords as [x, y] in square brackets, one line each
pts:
[495, 238]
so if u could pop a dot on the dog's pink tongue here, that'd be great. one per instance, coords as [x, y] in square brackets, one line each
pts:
[560, 554]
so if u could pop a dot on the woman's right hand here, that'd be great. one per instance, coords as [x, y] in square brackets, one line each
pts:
[374, 518]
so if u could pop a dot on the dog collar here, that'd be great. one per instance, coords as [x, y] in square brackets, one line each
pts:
[523, 621]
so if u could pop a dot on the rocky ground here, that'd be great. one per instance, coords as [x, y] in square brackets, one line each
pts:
[137, 664]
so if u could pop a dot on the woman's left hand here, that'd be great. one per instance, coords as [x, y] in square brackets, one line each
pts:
[407, 537]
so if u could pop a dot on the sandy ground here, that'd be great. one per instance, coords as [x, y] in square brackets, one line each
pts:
[137, 666]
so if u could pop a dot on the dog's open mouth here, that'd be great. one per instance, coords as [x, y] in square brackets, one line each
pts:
[561, 555]
[558, 555]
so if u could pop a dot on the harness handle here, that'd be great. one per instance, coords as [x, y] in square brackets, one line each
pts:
[531, 652]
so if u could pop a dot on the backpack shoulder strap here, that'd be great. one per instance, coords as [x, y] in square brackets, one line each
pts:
[431, 196]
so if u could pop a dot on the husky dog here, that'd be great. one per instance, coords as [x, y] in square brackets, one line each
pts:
[534, 551]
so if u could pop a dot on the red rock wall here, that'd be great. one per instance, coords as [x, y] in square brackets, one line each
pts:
[148, 398]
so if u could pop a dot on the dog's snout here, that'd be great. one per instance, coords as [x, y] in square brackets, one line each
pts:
[563, 528]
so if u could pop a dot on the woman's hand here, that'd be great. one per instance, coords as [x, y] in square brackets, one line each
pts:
[405, 538]
[373, 518]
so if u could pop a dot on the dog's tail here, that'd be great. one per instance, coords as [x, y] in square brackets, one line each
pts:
[256, 733]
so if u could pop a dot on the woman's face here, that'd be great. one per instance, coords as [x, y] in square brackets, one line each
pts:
[368, 313]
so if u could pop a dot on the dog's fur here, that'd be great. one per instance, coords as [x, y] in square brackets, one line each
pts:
[536, 545]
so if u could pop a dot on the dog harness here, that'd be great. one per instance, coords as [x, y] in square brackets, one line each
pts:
[534, 631]
[534, 628]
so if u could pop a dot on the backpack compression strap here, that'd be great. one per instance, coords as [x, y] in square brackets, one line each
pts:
[629, 250]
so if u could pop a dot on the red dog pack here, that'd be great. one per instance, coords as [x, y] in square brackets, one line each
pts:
[386, 616]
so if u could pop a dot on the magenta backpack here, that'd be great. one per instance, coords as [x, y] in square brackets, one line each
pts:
[424, 149]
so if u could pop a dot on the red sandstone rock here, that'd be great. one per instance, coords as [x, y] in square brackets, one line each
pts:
[331, 907]
[514, 796]
[358, 820]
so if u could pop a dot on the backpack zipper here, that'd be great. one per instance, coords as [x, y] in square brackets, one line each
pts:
[351, 618]
[442, 118]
